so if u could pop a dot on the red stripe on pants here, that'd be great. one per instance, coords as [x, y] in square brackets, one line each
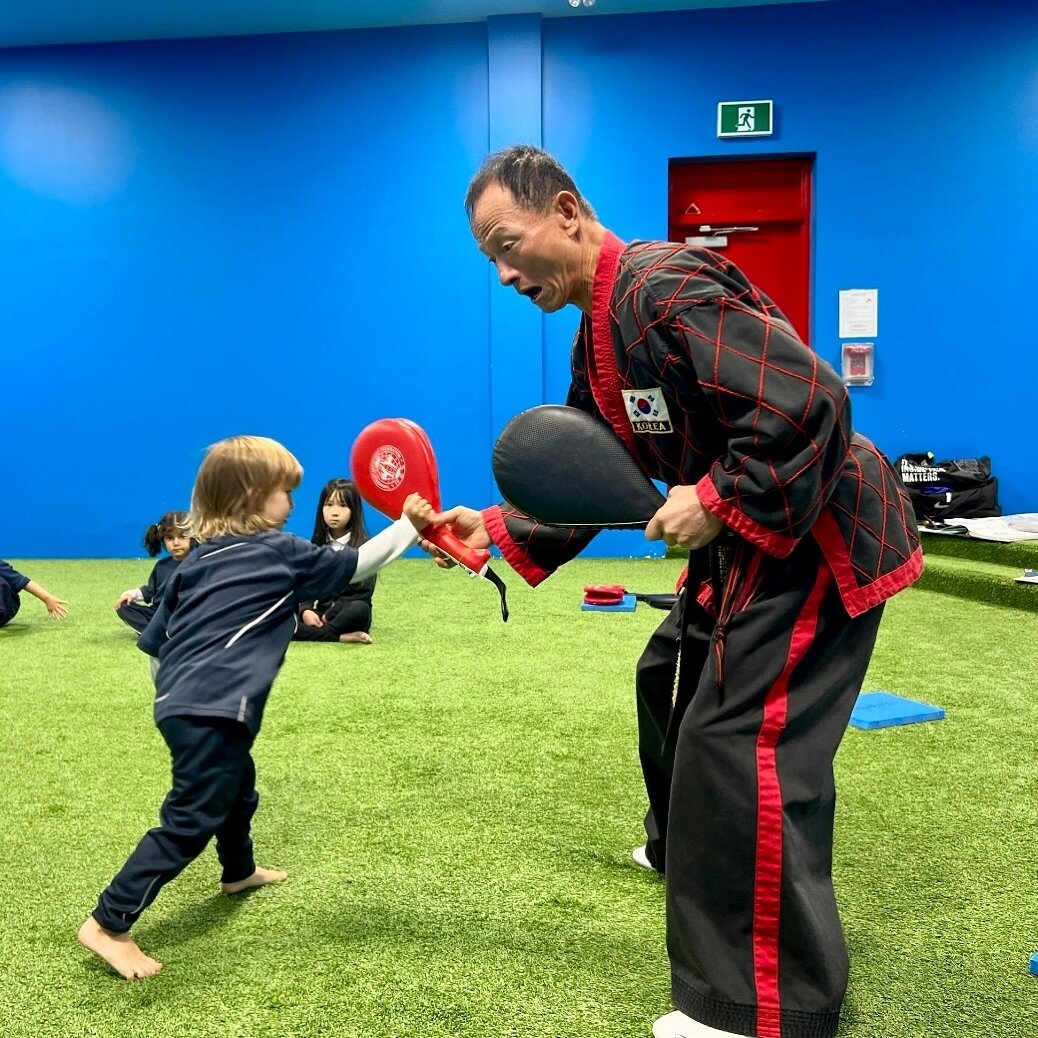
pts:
[767, 888]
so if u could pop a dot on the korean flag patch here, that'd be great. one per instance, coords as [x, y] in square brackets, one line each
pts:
[647, 410]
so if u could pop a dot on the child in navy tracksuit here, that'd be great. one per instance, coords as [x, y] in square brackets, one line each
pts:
[13, 583]
[345, 616]
[221, 633]
[137, 606]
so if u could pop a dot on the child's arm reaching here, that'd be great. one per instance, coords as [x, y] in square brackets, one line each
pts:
[419, 511]
[57, 608]
[391, 543]
[320, 571]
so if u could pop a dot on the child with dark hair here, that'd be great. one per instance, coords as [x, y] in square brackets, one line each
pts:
[13, 583]
[137, 606]
[345, 617]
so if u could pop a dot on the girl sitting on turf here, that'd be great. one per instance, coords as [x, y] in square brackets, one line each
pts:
[137, 606]
[220, 634]
[345, 616]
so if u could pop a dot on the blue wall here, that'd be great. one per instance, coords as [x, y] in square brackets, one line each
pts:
[924, 122]
[265, 235]
[213, 237]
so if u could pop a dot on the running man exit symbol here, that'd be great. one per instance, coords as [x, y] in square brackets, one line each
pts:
[744, 119]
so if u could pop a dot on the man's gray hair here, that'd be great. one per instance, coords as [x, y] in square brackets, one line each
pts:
[532, 175]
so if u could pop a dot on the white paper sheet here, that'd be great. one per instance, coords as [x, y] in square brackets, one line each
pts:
[859, 313]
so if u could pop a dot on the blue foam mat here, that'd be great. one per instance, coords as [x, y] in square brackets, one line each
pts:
[626, 606]
[884, 710]
[1034, 964]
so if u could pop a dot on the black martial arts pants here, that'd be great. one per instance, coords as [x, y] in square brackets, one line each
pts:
[763, 699]
[654, 694]
[342, 617]
[213, 794]
[135, 615]
[10, 602]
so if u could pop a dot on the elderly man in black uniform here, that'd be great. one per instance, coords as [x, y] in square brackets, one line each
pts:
[798, 532]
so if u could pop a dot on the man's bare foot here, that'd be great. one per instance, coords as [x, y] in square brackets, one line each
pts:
[362, 637]
[260, 878]
[119, 950]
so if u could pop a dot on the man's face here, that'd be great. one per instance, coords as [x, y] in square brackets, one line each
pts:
[535, 253]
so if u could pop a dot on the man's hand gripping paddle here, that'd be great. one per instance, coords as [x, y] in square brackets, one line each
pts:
[392, 458]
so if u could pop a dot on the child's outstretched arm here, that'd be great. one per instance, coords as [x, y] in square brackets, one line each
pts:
[57, 608]
[419, 511]
[392, 542]
[322, 571]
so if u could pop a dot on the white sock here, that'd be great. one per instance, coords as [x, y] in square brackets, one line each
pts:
[678, 1025]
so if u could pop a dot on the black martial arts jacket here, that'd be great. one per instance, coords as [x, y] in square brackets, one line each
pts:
[706, 383]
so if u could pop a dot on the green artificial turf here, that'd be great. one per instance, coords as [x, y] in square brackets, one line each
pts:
[983, 571]
[456, 805]
[980, 581]
[1016, 555]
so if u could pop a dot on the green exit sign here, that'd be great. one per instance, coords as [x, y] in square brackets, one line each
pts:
[744, 119]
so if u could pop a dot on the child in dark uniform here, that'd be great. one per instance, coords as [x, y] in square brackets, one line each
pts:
[220, 634]
[137, 606]
[13, 583]
[345, 617]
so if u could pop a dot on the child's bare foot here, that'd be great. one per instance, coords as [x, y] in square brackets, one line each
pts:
[119, 950]
[356, 636]
[260, 878]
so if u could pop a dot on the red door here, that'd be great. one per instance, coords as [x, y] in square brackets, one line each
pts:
[756, 212]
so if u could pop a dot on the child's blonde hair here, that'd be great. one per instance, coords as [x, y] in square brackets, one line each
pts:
[234, 482]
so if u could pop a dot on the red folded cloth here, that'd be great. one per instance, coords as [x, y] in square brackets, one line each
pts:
[604, 594]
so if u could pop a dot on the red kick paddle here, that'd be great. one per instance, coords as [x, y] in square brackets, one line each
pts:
[392, 458]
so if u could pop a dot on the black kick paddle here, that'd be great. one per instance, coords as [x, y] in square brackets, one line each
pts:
[563, 467]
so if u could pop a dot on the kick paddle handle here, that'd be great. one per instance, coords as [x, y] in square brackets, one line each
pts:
[472, 559]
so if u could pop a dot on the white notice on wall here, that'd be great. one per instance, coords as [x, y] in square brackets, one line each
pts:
[859, 313]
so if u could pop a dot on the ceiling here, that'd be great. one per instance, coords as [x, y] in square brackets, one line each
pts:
[25, 23]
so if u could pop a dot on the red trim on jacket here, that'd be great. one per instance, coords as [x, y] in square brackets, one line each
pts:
[514, 555]
[767, 884]
[857, 599]
[768, 541]
[605, 388]
[608, 395]
[705, 598]
[601, 353]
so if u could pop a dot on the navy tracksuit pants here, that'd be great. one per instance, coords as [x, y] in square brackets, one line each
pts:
[213, 795]
[135, 615]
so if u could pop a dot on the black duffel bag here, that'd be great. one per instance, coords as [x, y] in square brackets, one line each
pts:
[962, 488]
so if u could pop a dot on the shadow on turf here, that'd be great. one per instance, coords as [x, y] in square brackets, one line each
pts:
[191, 921]
[181, 928]
[15, 630]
